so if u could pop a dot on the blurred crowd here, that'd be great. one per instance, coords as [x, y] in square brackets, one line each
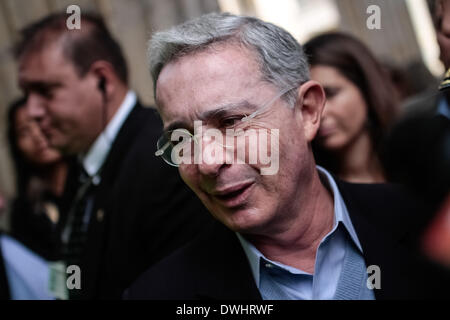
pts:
[92, 193]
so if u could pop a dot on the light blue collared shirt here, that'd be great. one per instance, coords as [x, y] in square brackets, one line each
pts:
[297, 284]
[28, 274]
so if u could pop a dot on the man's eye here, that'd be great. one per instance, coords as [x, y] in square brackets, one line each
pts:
[47, 93]
[184, 141]
[230, 122]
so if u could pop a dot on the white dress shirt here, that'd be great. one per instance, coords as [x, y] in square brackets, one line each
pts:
[96, 156]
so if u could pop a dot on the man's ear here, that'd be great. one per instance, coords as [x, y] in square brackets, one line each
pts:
[105, 76]
[310, 104]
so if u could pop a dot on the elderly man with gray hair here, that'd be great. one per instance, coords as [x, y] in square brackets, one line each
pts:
[235, 98]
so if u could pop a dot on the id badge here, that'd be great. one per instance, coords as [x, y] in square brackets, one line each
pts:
[57, 284]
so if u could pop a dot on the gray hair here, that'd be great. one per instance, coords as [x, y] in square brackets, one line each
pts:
[280, 57]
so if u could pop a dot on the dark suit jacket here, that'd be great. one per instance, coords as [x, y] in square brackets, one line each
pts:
[215, 266]
[422, 104]
[417, 152]
[142, 210]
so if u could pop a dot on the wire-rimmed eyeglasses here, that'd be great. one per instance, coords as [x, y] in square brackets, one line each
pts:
[178, 146]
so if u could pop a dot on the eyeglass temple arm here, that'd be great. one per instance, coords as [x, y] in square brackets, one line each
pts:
[267, 105]
[160, 151]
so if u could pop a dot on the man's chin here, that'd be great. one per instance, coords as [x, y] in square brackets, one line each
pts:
[244, 221]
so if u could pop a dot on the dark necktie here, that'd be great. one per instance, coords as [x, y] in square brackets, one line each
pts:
[75, 233]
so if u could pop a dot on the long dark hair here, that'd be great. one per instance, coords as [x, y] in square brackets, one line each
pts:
[28, 221]
[22, 166]
[355, 62]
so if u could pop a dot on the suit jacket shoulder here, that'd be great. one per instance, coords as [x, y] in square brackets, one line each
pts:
[389, 222]
[389, 207]
[213, 266]
[421, 104]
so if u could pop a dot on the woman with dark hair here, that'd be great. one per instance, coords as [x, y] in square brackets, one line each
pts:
[41, 173]
[361, 105]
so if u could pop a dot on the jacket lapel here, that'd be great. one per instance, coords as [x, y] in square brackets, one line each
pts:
[102, 211]
[132, 126]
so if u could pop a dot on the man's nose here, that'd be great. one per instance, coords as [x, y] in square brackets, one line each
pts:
[35, 107]
[213, 158]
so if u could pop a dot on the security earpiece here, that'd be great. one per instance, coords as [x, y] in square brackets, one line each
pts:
[102, 85]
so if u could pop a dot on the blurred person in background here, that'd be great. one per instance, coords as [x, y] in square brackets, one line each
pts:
[433, 102]
[419, 149]
[410, 80]
[441, 18]
[436, 176]
[361, 104]
[129, 210]
[41, 173]
[422, 126]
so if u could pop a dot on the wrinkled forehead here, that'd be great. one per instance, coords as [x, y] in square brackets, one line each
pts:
[44, 43]
[202, 81]
[43, 63]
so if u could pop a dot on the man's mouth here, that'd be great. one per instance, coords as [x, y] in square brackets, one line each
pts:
[234, 195]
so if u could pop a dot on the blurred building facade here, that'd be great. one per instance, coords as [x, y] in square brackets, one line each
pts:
[406, 33]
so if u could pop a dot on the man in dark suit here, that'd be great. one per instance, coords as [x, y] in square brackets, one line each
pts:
[415, 149]
[288, 229]
[128, 209]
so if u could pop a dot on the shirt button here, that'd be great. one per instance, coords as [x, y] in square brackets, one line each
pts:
[268, 265]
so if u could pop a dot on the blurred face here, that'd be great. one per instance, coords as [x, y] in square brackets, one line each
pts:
[31, 142]
[345, 112]
[220, 87]
[67, 107]
[443, 31]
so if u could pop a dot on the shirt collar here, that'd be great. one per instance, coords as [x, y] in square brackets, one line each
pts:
[253, 255]
[94, 159]
[341, 215]
[340, 209]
